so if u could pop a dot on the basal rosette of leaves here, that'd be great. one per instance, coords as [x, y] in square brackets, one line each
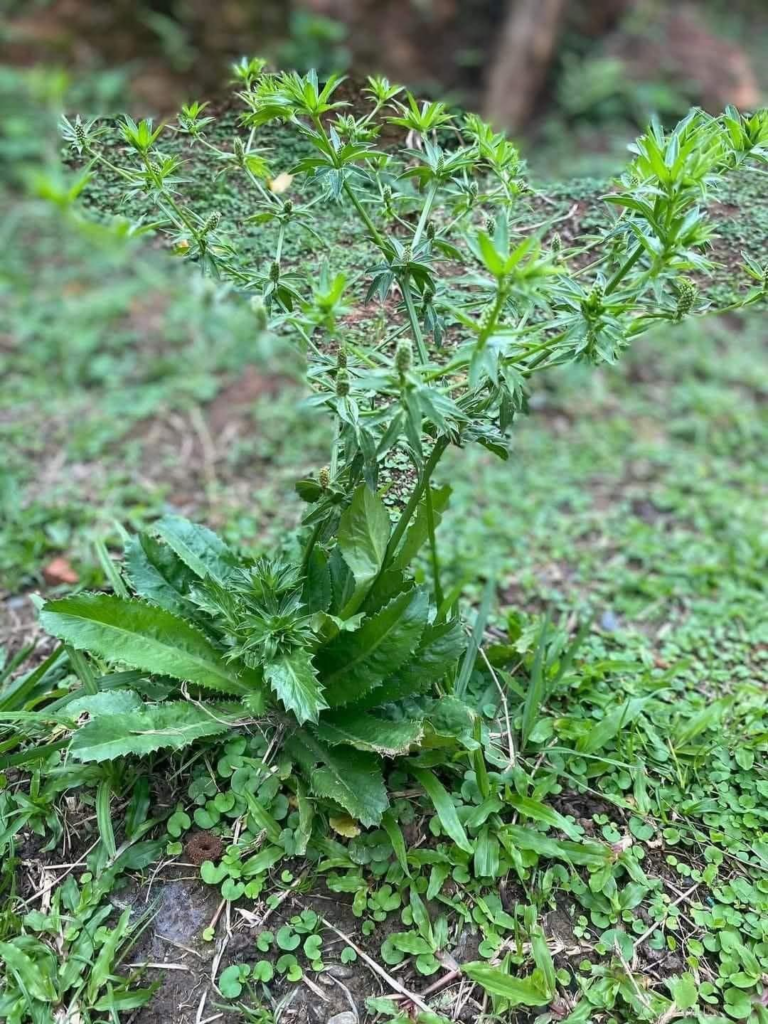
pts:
[275, 643]
[332, 643]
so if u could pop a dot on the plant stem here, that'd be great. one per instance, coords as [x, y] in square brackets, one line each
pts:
[394, 541]
[100, 158]
[425, 213]
[413, 317]
[364, 217]
[334, 466]
[490, 327]
[280, 237]
[624, 269]
[433, 544]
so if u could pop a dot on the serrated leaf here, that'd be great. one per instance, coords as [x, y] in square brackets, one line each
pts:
[389, 585]
[444, 806]
[293, 678]
[107, 702]
[201, 549]
[158, 574]
[352, 778]
[438, 652]
[546, 815]
[353, 663]
[144, 637]
[342, 581]
[173, 725]
[529, 991]
[366, 732]
[363, 536]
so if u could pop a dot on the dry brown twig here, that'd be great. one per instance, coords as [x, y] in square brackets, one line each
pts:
[505, 706]
[378, 969]
[658, 924]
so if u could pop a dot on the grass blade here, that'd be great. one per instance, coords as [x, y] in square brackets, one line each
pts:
[535, 696]
[111, 571]
[476, 639]
[104, 817]
[446, 812]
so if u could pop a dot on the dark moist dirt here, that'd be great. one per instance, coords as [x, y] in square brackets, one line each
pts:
[184, 908]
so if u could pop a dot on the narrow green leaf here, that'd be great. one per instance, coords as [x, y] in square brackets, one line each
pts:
[104, 965]
[293, 678]
[143, 637]
[138, 808]
[122, 1000]
[498, 982]
[418, 531]
[444, 806]
[33, 754]
[604, 731]
[395, 833]
[588, 854]
[263, 861]
[366, 732]
[104, 817]
[32, 980]
[306, 817]
[535, 694]
[538, 811]
[409, 942]
[110, 570]
[261, 818]
[14, 696]
[486, 854]
[82, 670]
[542, 957]
[421, 917]
[476, 639]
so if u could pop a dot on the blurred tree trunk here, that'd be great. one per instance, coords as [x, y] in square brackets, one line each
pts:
[522, 59]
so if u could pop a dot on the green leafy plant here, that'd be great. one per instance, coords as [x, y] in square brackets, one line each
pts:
[331, 642]
[82, 981]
